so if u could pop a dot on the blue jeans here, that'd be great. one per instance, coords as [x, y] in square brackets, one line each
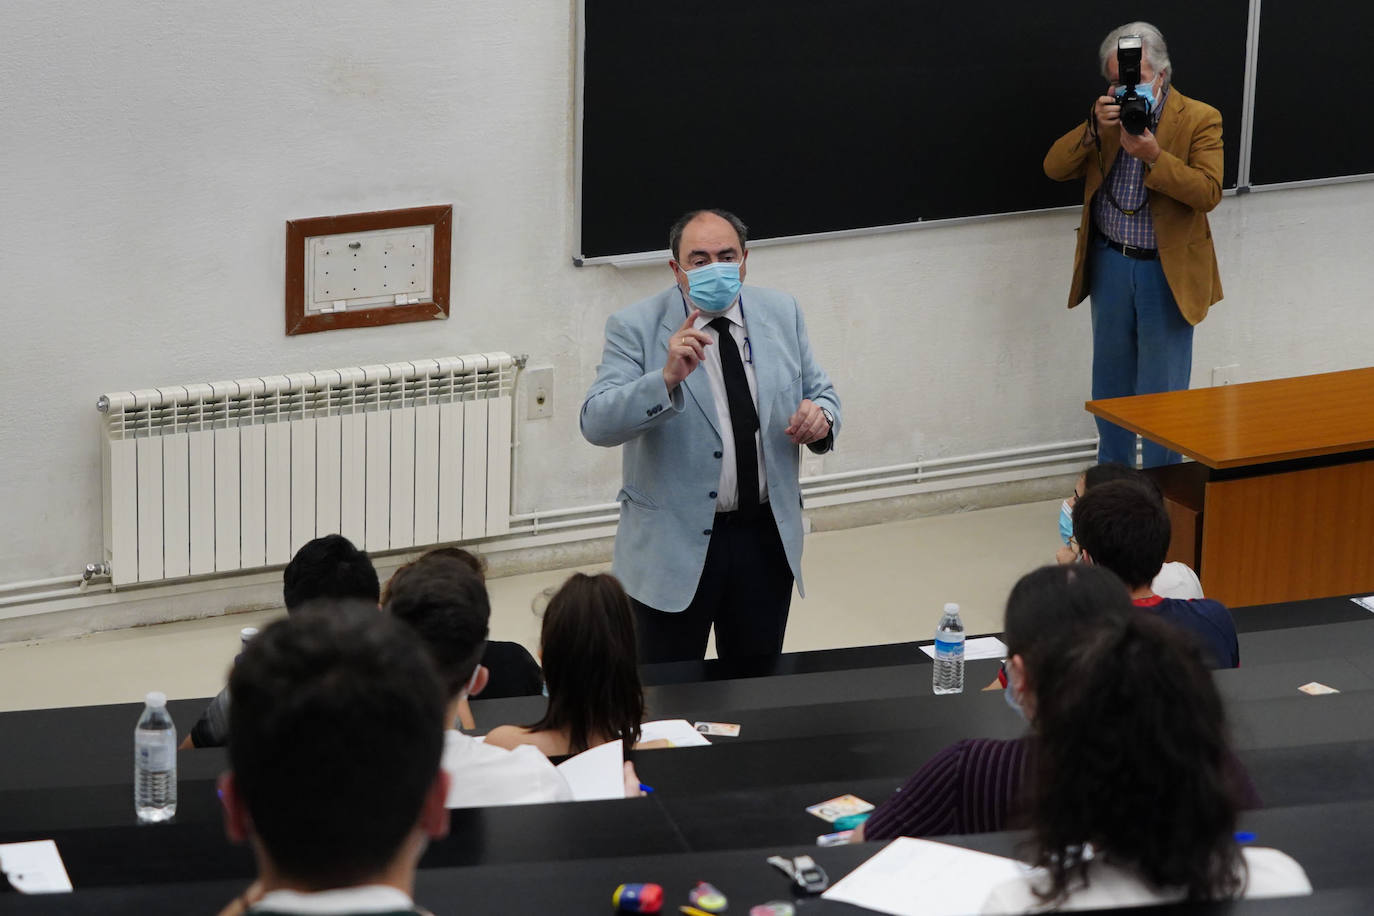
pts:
[1141, 344]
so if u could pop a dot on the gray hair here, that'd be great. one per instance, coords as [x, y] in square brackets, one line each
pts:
[1153, 47]
[676, 230]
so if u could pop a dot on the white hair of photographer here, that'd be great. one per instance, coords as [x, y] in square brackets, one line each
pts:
[1154, 49]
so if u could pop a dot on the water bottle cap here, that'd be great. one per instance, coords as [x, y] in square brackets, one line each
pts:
[156, 698]
[247, 633]
[951, 608]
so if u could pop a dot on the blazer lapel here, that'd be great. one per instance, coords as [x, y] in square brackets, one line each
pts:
[697, 384]
[1168, 127]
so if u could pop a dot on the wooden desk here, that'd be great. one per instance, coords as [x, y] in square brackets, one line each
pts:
[1280, 503]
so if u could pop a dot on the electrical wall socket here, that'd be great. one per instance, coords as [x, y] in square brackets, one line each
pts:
[811, 463]
[538, 393]
[1225, 375]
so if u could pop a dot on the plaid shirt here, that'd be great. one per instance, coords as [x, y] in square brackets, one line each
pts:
[1127, 183]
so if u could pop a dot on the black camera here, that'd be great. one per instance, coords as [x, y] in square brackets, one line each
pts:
[1135, 111]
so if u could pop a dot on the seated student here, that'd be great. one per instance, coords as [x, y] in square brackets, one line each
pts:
[334, 776]
[974, 786]
[587, 644]
[444, 601]
[1131, 803]
[1122, 526]
[327, 567]
[1174, 579]
[512, 671]
[978, 785]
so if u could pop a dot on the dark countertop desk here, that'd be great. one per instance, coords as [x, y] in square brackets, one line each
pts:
[1330, 842]
[842, 729]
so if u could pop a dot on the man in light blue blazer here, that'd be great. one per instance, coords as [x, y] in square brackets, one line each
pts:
[711, 387]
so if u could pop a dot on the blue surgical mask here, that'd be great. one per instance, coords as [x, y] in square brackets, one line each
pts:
[1065, 521]
[1145, 90]
[1009, 694]
[714, 287]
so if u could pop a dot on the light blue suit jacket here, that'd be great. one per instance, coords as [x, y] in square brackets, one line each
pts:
[672, 444]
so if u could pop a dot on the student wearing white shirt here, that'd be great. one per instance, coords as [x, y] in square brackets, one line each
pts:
[445, 601]
[1131, 800]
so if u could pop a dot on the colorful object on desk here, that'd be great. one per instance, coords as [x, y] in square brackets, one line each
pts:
[773, 908]
[850, 821]
[692, 911]
[638, 898]
[707, 897]
[1245, 836]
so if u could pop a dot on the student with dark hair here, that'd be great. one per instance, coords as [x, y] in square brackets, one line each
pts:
[511, 670]
[1122, 526]
[1174, 579]
[334, 776]
[591, 666]
[974, 786]
[444, 600]
[328, 567]
[1133, 801]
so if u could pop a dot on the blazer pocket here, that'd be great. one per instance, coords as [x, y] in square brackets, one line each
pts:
[631, 495]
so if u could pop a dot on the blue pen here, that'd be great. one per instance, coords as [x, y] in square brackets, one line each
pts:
[645, 789]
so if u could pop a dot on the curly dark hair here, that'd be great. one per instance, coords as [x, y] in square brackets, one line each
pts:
[1130, 760]
[591, 664]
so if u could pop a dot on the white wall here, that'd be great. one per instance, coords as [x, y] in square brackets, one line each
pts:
[152, 151]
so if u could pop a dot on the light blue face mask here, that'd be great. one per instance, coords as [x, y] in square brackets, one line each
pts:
[1010, 697]
[1065, 521]
[714, 287]
[1145, 90]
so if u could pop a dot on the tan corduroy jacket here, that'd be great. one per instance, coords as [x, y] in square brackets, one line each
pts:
[1184, 185]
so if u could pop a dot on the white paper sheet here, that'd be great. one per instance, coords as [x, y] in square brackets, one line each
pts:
[1367, 602]
[678, 732]
[909, 877]
[596, 774]
[978, 648]
[35, 867]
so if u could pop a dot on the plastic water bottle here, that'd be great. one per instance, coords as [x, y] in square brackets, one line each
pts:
[948, 676]
[155, 762]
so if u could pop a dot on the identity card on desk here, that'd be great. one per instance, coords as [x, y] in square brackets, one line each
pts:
[977, 648]
[909, 877]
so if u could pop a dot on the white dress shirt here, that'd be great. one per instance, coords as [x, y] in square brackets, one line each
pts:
[365, 898]
[1270, 874]
[727, 491]
[483, 774]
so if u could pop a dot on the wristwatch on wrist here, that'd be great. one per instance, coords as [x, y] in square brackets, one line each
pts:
[829, 419]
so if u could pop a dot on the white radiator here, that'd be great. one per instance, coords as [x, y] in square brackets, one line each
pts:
[229, 476]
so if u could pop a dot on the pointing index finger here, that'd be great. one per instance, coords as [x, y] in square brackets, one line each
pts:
[691, 320]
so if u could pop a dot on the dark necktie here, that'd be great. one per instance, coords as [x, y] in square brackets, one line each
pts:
[744, 418]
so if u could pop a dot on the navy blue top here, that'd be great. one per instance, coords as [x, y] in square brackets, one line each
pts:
[1209, 620]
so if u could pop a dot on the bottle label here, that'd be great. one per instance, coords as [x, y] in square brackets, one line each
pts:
[949, 648]
[155, 751]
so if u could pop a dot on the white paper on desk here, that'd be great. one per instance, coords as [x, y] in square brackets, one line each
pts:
[677, 732]
[596, 774]
[1367, 602]
[34, 868]
[977, 648]
[909, 877]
